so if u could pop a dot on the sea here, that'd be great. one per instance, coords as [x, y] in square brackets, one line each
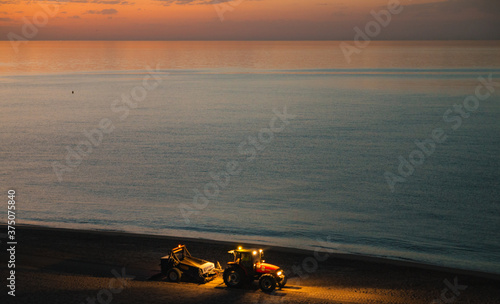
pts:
[390, 151]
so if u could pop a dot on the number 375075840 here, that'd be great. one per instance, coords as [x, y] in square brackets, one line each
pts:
[11, 215]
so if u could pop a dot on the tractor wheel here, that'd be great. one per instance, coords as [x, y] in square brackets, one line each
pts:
[283, 282]
[174, 275]
[234, 277]
[267, 283]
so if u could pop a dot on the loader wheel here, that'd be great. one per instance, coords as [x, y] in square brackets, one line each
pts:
[174, 275]
[267, 283]
[233, 277]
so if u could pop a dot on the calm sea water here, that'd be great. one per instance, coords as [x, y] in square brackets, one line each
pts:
[321, 177]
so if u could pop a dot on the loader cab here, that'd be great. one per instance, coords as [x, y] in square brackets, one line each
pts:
[179, 253]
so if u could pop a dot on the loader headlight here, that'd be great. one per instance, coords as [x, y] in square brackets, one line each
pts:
[279, 273]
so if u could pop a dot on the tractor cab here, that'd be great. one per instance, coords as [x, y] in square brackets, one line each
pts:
[247, 258]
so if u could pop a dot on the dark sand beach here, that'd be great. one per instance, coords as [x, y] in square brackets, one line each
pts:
[73, 266]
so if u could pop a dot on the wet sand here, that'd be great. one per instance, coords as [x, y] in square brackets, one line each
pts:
[76, 266]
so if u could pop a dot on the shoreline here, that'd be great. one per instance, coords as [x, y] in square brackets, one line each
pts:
[282, 249]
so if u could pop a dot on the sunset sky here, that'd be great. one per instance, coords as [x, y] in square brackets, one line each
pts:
[246, 19]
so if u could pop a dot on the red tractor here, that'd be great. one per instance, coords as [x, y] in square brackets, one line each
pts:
[248, 265]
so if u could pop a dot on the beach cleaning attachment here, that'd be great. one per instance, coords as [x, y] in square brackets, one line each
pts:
[180, 264]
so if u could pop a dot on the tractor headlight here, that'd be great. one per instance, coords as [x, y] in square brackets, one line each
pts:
[279, 273]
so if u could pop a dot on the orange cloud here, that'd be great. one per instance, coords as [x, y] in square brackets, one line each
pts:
[251, 19]
[108, 11]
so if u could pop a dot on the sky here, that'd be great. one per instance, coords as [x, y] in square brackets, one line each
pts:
[247, 19]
